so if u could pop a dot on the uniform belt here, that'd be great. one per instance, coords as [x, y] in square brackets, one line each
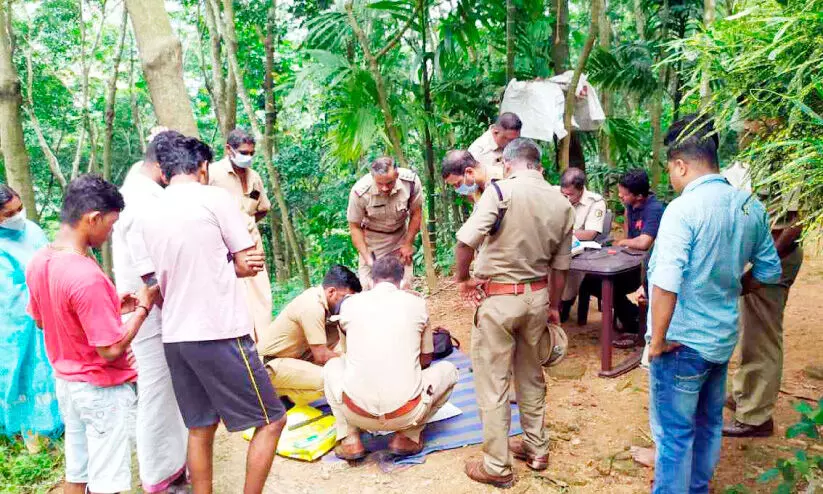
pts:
[491, 288]
[403, 410]
[385, 233]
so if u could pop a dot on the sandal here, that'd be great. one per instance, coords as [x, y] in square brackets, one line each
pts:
[626, 342]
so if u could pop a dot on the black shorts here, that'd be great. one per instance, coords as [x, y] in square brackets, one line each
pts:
[222, 379]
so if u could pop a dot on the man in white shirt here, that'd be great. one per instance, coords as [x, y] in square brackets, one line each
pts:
[160, 433]
[385, 381]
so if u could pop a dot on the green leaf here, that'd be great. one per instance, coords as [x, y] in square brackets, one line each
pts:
[768, 475]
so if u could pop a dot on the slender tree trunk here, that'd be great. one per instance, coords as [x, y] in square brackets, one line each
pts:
[560, 35]
[281, 271]
[15, 157]
[656, 111]
[428, 151]
[229, 34]
[219, 81]
[111, 99]
[511, 10]
[161, 54]
[709, 9]
[391, 129]
[565, 144]
[605, 97]
[639, 19]
[135, 109]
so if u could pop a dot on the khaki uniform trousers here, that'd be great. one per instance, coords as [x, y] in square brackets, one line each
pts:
[438, 380]
[299, 379]
[756, 384]
[258, 291]
[505, 336]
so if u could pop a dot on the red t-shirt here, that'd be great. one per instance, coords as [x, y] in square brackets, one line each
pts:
[78, 308]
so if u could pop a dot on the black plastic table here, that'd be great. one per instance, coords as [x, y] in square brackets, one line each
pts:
[605, 264]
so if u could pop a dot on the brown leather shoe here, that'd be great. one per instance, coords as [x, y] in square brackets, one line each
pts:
[350, 450]
[730, 403]
[477, 472]
[518, 449]
[401, 445]
[739, 429]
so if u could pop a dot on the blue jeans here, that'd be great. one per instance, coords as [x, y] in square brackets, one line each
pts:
[686, 400]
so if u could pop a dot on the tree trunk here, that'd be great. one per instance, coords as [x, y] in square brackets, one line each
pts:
[218, 79]
[161, 54]
[560, 36]
[280, 268]
[391, 130]
[605, 98]
[510, 34]
[111, 97]
[565, 144]
[231, 43]
[428, 145]
[639, 19]
[656, 111]
[15, 157]
[705, 80]
[135, 109]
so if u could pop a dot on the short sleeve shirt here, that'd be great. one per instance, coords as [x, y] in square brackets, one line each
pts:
[534, 235]
[386, 331]
[301, 324]
[190, 234]
[644, 219]
[252, 199]
[79, 310]
[589, 212]
[486, 151]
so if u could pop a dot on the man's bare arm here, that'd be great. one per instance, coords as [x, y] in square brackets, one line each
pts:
[358, 239]
[585, 235]
[663, 304]
[557, 283]
[415, 221]
[145, 299]
[641, 242]
[788, 236]
[464, 255]
[426, 360]
[322, 354]
[249, 262]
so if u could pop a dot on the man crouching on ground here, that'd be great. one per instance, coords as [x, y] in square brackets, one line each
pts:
[385, 381]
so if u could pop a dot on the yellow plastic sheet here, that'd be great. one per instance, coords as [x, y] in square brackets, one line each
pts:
[307, 436]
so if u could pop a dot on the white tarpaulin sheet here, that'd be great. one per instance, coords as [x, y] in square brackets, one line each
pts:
[540, 103]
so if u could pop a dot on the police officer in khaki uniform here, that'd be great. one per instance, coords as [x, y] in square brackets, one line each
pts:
[488, 148]
[589, 214]
[234, 173]
[385, 212]
[524, 248]
[386, 381]
[468, 177]
[756, 384]
[300, 341]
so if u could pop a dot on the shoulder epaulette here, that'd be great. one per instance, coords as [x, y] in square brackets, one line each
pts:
[362, 186]
[406, 174]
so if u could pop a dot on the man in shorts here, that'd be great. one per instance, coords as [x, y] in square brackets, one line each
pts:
[198, 248]
[78, 308]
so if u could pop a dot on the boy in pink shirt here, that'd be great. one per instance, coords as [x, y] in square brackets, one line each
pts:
[79, 311]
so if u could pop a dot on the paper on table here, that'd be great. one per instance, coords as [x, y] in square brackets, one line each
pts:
[447, 411]
[590, 244]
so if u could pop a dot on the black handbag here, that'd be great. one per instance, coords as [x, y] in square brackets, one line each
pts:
[444, 343]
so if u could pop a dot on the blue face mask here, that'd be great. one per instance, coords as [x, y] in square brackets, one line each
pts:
[466, 190]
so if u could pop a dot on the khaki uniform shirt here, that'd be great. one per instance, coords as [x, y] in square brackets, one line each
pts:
[221, 174]
[486, 152]
[493, 174]
[534, 236]
[300, 324]
[385, 219]
[779, 201]
[386, 331]
[589, 212]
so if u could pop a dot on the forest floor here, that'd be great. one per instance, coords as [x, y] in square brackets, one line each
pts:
[592, 421]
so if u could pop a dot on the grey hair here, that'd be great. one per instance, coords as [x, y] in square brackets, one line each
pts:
[508, 121]
[6, 194]
[525, 150]
[238, 137]
[382, 165]
[573, 177]
[388, 268]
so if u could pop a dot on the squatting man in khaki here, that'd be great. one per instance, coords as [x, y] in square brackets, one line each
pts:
[386, 381]
[524, 247]
[300, 341]
[234, 174]
[468, 177]
[384, 214]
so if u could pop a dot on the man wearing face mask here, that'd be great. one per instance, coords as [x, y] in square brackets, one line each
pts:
[300, 341]
[234, 174]
[488, 148]
[468, 177]
[385, 212]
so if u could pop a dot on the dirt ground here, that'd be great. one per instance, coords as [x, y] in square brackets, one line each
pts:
[592, 421]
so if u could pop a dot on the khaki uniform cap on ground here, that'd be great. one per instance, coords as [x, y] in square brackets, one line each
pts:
[534, 236]
[384, 219]
[258, 288]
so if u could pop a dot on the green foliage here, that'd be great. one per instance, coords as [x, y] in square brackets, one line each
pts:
[28, 473]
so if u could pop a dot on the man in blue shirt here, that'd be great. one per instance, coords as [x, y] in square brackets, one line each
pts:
[706, 238]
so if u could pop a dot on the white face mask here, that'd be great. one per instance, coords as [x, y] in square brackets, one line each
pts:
[241, 160]
[16, 222]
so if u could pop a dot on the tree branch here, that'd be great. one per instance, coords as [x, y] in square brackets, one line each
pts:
[399, 35]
